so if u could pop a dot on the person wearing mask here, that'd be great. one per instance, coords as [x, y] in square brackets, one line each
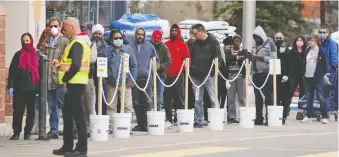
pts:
[279, 37]
[204, 50]
[179, 52]
[314, 69]
[144, 53]
[330, 47]
[23, 82]
[73, 74]
[234, 59]
[261, 55]
[114, 54]
[296, 61]
[283, 82]
[165, 62]
[55, 45]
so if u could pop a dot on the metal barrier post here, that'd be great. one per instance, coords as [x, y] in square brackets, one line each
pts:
[43, 97]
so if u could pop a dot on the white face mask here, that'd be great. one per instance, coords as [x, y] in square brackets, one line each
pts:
[54, 31]
[282, 49]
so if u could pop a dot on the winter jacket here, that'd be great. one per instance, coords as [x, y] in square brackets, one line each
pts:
[202, 55]
[21, 79]
[164, 57]
[331, 50]
[52, 53]
[231, 60]
[179, 52]
[114, 61]
[296, 60]
[264, 50]
[143, 57]
[321, 68]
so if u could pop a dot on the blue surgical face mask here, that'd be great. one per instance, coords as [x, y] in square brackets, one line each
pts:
[323, 36]
[118, 42]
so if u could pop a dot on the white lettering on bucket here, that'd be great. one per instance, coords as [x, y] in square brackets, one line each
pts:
[153, 125]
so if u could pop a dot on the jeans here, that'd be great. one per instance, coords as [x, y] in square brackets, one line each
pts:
[199, 103]
[160, 93]
[259, 80]
[54, 98]
[237, 87]
[310, 86]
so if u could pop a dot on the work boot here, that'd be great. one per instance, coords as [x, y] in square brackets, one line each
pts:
[140, 128]
[27, 136]
[61, 151]
[15, 137]
[76, 154]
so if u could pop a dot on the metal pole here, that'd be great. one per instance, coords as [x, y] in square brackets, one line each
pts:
[98, 11]
[248, 22]
[89, 11]
[43, 98]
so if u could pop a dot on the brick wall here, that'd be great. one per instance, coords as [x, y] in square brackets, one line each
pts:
[3, 71]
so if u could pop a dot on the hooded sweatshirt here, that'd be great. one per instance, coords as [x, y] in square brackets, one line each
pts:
[144, 54]
[264, 50]
[164, 57]
[179, 52]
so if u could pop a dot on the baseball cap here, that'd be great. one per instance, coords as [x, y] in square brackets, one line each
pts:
[157, 36]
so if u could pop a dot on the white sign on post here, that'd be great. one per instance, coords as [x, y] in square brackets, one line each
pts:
[277, 66]
[126, 62]
[102, 67]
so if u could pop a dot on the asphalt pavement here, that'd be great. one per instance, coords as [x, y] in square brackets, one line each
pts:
[292, 140]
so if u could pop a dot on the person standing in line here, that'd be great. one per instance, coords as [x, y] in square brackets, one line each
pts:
[234, 59]
[55, 45]
[204, 50]
[165, 62]
[314, 69]
[73, 74]
[23, 82]
[144, 53]
[283, 82]
[296, 60]
[191, 99]
[179, 52]
[330, 47]
[114, 54]
[261, 55]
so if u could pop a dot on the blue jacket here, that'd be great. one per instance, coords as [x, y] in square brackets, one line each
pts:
[143, 57]
[321, 68]
[114, 61]
[331, 50]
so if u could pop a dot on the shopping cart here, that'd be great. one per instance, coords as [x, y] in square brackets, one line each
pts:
[331, 100]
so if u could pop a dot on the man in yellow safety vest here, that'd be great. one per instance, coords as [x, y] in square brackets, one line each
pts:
[73, 74]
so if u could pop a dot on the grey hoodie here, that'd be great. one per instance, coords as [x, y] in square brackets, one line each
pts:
[264, 50]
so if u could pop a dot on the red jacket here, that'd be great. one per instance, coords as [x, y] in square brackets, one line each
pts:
[179, 52]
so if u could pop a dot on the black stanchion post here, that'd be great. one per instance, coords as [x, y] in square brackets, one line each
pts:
[43, 97]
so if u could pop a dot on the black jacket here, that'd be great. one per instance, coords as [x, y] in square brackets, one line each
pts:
[284, 63]
[202, 55]
[295, 61]
[21, 79]
[231, 59]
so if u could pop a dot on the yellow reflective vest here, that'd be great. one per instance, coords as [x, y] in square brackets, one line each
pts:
[82, 76]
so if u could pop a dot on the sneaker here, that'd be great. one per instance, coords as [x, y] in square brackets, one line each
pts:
[324, 121]
[196, 125]
[168, 124]
[306, 119]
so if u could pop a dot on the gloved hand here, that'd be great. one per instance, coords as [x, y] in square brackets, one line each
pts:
[10, 91]
[228, 85]
[284, 79]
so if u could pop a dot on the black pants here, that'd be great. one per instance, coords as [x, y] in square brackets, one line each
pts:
[284, 95]
[141, 102]
[175, 92]
[74, 109]
[20, 100]
[222, 91]
[191, 99]
[267, 90]
[294, 84]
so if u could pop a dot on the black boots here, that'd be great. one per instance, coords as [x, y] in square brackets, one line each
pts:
[15, 137]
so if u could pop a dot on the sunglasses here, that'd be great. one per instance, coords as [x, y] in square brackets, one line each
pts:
[277, 38]
[118, 38]
[56, 26]
[322, 32]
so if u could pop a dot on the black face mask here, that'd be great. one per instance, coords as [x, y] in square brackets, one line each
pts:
[278, 43]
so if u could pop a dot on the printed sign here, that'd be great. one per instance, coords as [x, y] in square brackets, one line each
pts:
[277, 66]
[102, 67]
[126, 62]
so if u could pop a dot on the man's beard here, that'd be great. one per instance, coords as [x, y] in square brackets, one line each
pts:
[98, 41]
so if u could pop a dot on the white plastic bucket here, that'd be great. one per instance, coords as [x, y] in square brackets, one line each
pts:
[185, 120]
[216, 119]
[156, 122]
[99, 127]
[122, 125]
[247, 117]
[275, 115]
